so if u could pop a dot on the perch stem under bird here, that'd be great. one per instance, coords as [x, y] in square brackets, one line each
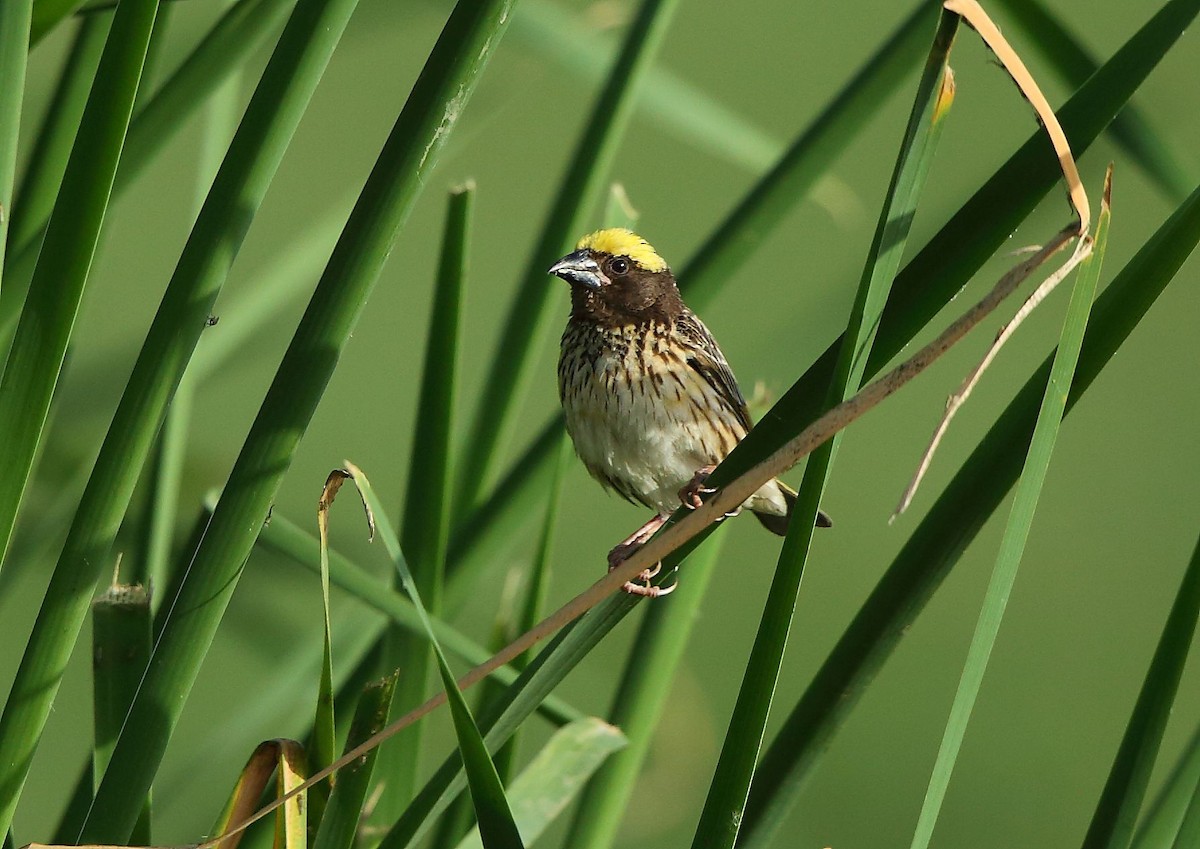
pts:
[649, 399]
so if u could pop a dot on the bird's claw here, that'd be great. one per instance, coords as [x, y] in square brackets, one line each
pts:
[620, 554]
[691, 493]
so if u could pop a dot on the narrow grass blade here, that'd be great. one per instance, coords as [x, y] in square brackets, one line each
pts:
[949, 526]
[730, 244]
[1016, 534]
[52, 144]
[120, 649]
[425, 527]
[285, 537]
[324, 733]
[1116, 813]
[285, 758]
[437, 99]
[15, 17]
[654, 658]
[275, 110]
[556, 775]
[62, 270]
[339, 825]
[1164, 816]
[581, 189]
[170, 448]
[1189, 829]
[458, 818]
[666, 99]
[492, 810]
[47, 14]
[220, 54]
[1132, 128]
[724, 807]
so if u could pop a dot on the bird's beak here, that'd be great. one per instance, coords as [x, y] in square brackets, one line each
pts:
[579, 267]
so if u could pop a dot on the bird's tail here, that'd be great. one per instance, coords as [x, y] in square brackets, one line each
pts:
[779, 524]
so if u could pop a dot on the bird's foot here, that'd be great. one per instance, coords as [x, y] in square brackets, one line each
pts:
[621, 552]
[643, 587]
[692, 492]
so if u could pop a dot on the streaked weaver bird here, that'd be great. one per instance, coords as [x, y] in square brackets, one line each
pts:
[649, 399]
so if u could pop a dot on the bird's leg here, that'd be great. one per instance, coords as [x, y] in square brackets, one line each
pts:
[691, 492]
[620, 553]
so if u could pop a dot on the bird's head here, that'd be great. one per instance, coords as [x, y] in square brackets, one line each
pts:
[618, 279]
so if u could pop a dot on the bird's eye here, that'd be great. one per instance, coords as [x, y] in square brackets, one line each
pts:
[619, 266]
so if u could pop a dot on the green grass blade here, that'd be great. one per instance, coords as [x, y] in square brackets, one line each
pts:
[170, 448]
[219, 57]
[274, 111]
[723, 809]
[1116, 812]
[556, 775]
[425, 527]
[286, 538]
[52, 145]
[47, 14]
[664, 98]
[434, 105]
[1189, 829]
[1162, 820]
[721, 253]
[1016, 533]
[15, 17]
[62, 270]
[1131, 129]
[492, 810]
[220, 54]
[120, 649]
[581, 189]
[323, 740]
[654, 658]
[949, 526]
[339, 825]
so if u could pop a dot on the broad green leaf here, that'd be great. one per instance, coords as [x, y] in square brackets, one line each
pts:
[556, 775]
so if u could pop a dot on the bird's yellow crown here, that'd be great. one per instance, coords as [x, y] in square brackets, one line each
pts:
[618, 241]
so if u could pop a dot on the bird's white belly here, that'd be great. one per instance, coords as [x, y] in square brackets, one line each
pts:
[646, 434]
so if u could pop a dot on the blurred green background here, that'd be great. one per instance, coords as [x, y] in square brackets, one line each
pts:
[1117, 521]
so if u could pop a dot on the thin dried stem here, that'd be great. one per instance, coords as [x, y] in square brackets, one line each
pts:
[959, 397]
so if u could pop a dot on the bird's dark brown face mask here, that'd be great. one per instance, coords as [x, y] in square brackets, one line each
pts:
[617, 279]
